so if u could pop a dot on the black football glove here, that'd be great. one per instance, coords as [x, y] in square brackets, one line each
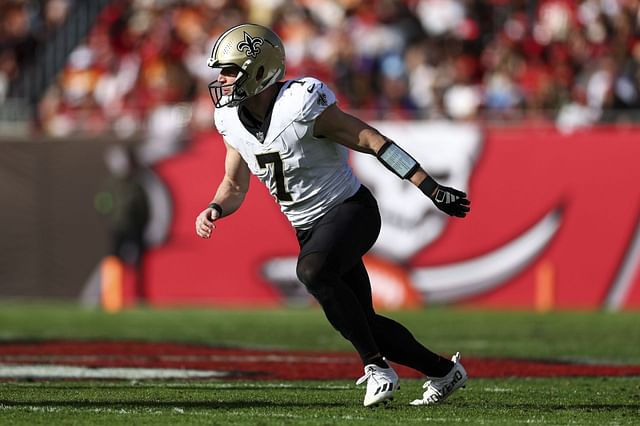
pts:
[449, 200]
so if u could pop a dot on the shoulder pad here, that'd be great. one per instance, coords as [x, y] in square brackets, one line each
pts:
[219, 119]
[312, 96]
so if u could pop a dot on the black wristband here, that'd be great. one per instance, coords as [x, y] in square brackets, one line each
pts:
[216, 207]
[428, 186]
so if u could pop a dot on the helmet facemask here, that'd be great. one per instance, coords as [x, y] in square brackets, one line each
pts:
[237, 94]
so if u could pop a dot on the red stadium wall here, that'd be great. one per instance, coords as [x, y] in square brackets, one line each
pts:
[555, 224]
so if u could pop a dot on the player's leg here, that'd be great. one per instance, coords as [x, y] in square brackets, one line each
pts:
[322, 278]
[398, 344]
[394, 340]
[330, 249]
[343, 311]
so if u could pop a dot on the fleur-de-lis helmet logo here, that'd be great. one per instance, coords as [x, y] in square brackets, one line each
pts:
[250, 45]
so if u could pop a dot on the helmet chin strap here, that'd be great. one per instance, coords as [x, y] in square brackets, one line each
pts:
[238, 94]
[241, 95]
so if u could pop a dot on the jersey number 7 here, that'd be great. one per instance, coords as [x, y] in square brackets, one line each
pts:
[278, 171]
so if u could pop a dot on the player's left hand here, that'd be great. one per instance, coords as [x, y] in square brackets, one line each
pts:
[451, 201]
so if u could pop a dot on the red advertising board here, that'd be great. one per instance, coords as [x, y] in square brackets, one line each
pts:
[555, 224]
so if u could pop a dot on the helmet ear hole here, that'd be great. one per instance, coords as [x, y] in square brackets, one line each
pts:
[260, 73]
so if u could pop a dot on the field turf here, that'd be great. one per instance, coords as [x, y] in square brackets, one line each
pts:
[576, 337]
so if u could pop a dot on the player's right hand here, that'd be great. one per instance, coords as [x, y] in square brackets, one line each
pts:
[204, 222]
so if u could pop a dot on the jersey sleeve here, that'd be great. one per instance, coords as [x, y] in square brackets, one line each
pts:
[316, 98]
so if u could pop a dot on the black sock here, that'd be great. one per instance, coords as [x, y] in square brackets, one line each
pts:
[441, 368]
[377, 360]
[397, 344]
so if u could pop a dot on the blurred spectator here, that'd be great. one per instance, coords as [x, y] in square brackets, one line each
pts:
[577, 113]
[24, 24]
[125, 204]
[627, 84]
[17, 40]
[460, 59]
[440, 17]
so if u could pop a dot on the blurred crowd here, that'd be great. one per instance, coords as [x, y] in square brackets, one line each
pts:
[23, 26]
[144, 61]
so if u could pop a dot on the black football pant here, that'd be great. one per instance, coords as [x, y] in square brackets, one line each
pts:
[330, 266]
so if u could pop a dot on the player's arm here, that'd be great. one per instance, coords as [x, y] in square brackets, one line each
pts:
[229, 195]
[347, 130]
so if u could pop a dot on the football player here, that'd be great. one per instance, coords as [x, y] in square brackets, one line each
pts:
[296, 140]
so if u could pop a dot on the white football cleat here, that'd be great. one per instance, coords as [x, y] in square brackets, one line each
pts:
[381, 384]
[438, 389]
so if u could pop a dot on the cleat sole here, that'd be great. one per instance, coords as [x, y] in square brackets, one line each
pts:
[383, 403]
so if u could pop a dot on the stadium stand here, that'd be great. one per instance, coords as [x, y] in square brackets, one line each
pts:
[76, 66]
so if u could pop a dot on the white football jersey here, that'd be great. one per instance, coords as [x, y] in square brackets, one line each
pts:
[307, 175]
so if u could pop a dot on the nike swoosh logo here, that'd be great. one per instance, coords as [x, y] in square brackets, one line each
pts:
[310, 89]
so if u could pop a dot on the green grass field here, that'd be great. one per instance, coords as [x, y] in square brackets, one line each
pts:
[577, 336]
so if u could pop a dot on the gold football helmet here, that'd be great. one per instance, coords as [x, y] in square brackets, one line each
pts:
[258, 55]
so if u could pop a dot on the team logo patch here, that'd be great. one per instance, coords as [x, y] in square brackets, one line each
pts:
[322, 99]
[250, 45]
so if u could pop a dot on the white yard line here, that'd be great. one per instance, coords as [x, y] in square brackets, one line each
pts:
[72, 372]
